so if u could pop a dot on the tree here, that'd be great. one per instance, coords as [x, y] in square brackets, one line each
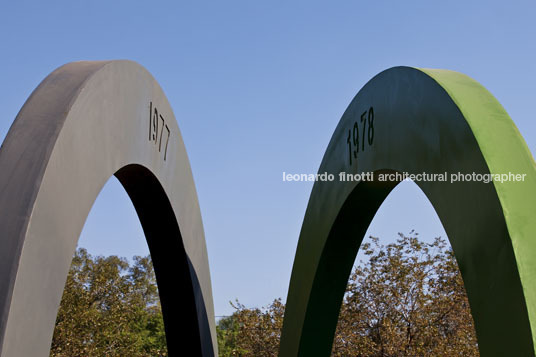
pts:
[109, 308]
[251, 332]
[406, 299]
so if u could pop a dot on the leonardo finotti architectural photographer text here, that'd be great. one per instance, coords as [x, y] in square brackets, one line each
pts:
[401, 176]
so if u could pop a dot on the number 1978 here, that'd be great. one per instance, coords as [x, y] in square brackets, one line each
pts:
[361, 133]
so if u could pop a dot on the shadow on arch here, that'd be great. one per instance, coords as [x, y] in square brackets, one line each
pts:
[417, 121]
[84, 123]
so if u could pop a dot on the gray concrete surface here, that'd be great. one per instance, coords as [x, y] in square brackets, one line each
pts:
[84, 123]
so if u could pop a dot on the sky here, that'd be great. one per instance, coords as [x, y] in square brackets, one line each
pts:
[258, 88]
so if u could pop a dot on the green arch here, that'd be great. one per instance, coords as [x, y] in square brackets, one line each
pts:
[436, 121]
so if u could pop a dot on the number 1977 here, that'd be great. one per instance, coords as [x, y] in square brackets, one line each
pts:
[158, 130]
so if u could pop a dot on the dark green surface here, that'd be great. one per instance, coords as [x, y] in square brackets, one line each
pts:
[434, 121]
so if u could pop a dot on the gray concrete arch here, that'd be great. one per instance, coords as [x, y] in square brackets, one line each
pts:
[84, 123]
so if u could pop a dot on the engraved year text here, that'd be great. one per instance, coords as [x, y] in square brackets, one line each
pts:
[159, 132]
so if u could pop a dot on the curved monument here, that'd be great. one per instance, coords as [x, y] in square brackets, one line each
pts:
[84, 123]
[408, 120]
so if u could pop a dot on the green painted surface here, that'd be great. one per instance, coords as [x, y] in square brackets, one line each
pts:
[504, 150]
[435, 121]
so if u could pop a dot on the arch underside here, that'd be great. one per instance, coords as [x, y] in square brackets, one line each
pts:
[84, 123]
[431, 121]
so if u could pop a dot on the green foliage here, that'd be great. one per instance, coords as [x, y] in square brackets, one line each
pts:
[109, 308]
[251, 332]
[228, 331]
[406, 299]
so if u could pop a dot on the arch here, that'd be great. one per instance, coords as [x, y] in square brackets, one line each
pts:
[414, 121]
[84, 123]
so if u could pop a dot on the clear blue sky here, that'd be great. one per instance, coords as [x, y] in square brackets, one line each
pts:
[258, 88]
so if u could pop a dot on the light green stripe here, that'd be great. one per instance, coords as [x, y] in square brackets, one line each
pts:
[504, 150]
